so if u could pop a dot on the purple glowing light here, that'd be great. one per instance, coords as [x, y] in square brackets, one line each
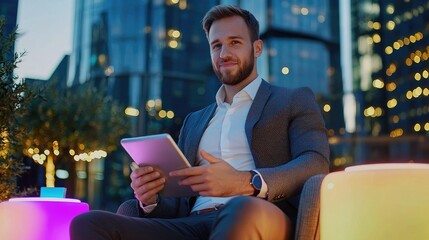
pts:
[38, 218]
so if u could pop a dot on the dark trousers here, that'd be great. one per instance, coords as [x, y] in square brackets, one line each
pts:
[241, 218]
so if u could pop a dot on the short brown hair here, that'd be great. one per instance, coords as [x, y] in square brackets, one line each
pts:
[220, 12]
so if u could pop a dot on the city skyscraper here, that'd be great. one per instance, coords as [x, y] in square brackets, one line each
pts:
[390, 79]
[9, 12]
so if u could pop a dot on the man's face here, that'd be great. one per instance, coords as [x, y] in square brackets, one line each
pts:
[232, 51]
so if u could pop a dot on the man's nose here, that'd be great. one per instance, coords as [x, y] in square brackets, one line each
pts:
[225, 52]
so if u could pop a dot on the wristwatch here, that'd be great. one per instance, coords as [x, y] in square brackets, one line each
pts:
[256, 182]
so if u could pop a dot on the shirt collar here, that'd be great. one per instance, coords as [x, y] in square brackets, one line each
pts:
[251, 89]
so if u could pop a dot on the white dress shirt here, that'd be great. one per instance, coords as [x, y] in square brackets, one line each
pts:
[225, 138]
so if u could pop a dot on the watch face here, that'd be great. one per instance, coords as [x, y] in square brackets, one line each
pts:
[257, 181]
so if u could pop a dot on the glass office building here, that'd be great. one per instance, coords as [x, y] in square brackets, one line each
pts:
[390, 80]
[9, 12]
[302, 49]
[153, 55]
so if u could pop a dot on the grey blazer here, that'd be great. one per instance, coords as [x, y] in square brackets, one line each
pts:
[287, 138]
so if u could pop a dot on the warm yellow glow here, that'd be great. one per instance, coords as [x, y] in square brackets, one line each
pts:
[162, 114]
[170, 114]
[285, 70]
[173, 44]
[390, 25]
[413, 39]
[326, 108]
[396, 45]
[50, 172]
[391, 87]
[304, 11]
[392, 103]
[417, 127]
[376, 25]
[427, 126]
[426, 92]
[102, 59]
[150, 103]
[396, 133]
[406, 41]
[72, 152]
[408, 61]
[171, 2]
[417, 76]
[390, 9]
[81, 146]
[130, 111]
[376, 37]
[425, 74]
[174, 33]
[417, 92]
[377, 83]
[364, 202]
[395, 119]
[158, 104]
[56, 152]
[416, 59]
[378, 112]
[388, 50]
[419, 53]
[183, 4]
[409, 94]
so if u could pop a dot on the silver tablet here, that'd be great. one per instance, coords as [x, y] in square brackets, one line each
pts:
[163, 153]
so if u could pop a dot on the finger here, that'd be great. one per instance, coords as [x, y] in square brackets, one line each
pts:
[149, 197]
[141, 171]
[186, 172]
[145, 179]
[149, 187]
[198, 179]
[210, 158]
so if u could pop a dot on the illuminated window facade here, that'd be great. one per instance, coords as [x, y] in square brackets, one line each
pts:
[390, 63]
[301, 40]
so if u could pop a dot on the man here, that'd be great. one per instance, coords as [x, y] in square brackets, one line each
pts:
[252, 151]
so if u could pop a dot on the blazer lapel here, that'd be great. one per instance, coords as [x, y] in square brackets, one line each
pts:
[199, 129]
[256, 109]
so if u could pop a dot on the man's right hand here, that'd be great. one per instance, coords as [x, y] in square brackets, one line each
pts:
[146, 182]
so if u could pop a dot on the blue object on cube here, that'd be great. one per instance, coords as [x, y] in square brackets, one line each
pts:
[53, 192]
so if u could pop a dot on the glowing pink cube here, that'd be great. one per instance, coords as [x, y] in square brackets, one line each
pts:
[38, 218]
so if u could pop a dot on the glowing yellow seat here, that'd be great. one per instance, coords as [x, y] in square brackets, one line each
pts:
[377, 201]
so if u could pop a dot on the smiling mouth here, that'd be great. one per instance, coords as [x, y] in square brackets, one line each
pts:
[227, 64]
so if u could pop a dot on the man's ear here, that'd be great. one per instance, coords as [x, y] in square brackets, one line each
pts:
[258, 45]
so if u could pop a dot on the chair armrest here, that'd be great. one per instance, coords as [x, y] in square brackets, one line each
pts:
[307, 226]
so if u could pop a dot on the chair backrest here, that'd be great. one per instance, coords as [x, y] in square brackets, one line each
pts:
[377, 201]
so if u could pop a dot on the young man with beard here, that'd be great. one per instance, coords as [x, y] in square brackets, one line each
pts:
[252, 150]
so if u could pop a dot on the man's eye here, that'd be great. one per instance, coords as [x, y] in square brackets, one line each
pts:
[217, 46]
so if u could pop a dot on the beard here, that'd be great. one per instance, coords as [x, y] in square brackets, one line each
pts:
[244, 70]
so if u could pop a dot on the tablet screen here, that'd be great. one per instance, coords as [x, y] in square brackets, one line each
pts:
[162, 152]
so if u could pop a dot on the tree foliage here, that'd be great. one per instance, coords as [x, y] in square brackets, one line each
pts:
[14, 98]
[70, 122]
